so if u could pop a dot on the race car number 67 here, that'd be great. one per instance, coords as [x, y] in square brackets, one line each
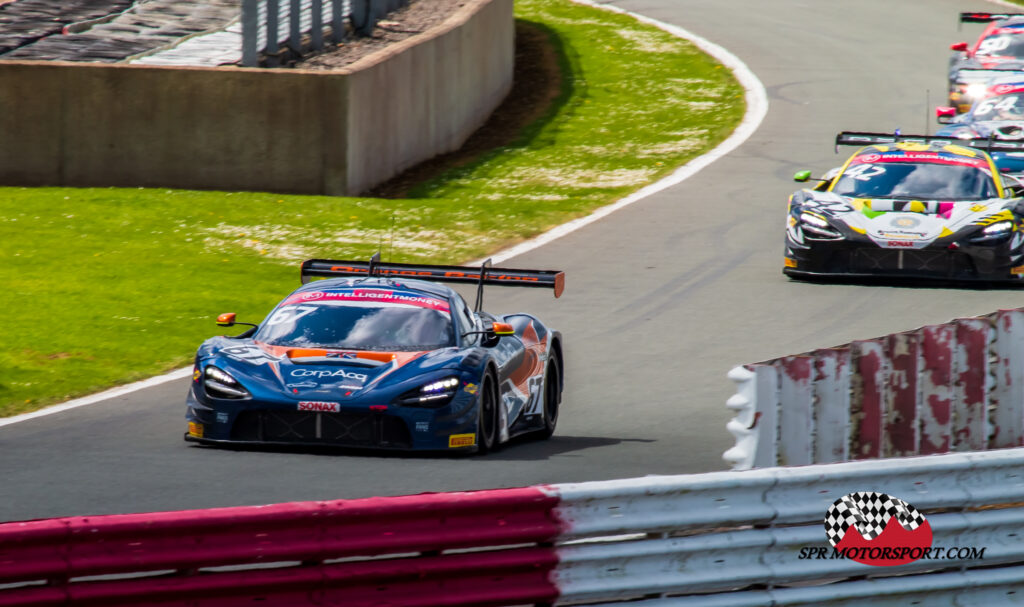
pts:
[290, 314]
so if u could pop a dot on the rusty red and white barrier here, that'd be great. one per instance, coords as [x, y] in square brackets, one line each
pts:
[944, 388]
[719, 538]
[314, 535]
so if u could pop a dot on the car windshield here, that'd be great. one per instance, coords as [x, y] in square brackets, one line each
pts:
[1000, 107]
[360, 320]
[920, 180]
[1002, 45]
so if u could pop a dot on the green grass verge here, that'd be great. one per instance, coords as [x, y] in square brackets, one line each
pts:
[103, 286]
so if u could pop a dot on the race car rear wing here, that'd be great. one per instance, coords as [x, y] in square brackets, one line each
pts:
[989, 145]
[986, 17]
[983, 75]
[483, 275]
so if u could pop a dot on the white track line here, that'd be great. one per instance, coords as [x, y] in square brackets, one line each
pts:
[99, 396]
[757, 108]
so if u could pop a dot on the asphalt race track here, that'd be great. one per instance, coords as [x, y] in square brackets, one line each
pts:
[662, 298]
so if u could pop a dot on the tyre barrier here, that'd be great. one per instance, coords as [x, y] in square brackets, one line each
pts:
[722, 538]
[944, 388]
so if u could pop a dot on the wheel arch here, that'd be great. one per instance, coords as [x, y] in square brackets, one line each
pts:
[556, 352]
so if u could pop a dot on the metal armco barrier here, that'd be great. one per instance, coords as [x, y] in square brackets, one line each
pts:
[938, 389]
[724, 538]
[301, 539]
[268, 25]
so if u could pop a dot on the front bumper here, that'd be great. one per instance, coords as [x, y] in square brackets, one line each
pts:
[863, 260]
[255, 423]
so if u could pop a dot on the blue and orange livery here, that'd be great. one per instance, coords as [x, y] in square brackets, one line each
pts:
[381, 356]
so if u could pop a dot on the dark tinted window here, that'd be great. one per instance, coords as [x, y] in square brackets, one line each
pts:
[464, 315]
[358, 327]
[916, 180]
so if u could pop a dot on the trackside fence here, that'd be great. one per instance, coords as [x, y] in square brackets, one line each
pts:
[726, 538]
[298, 25]
[944, 388]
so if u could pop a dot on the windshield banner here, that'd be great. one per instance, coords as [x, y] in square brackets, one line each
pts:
[369, 295]
[930, 157]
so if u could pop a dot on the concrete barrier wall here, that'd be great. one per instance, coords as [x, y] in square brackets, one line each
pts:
[472, 54]
[336, 133]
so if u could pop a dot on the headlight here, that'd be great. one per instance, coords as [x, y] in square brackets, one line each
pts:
[998, 227]
[975, 90]
[996, 232]
[220, 384]
[435, 394]
[439, 387]
[818, 226]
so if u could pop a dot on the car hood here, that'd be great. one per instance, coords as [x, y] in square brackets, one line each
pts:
[906, 223]
[303, 373]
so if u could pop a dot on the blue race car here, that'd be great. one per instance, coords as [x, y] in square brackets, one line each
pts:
[378, 355]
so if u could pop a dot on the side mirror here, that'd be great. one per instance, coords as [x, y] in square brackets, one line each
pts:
[493, 334]
[958, 46]
[802, 176]
[502, 328]
[945, 114]
[226, 320]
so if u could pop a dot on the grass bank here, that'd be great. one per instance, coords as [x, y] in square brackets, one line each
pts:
[104, 286]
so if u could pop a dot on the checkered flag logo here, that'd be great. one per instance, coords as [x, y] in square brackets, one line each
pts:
[869, 512]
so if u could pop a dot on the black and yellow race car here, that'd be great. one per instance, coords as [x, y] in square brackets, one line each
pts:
[909, 206]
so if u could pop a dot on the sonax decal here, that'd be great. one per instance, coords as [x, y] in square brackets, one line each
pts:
[322, 406]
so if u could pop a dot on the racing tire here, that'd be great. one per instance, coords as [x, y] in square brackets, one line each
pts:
[487, 417]
[552, 398]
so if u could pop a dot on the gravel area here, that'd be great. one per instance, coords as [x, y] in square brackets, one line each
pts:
[26, 21]
[126, 29]
[416, 18]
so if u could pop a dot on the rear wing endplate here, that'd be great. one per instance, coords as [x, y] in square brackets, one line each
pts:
[480, 276]
[989, 145]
